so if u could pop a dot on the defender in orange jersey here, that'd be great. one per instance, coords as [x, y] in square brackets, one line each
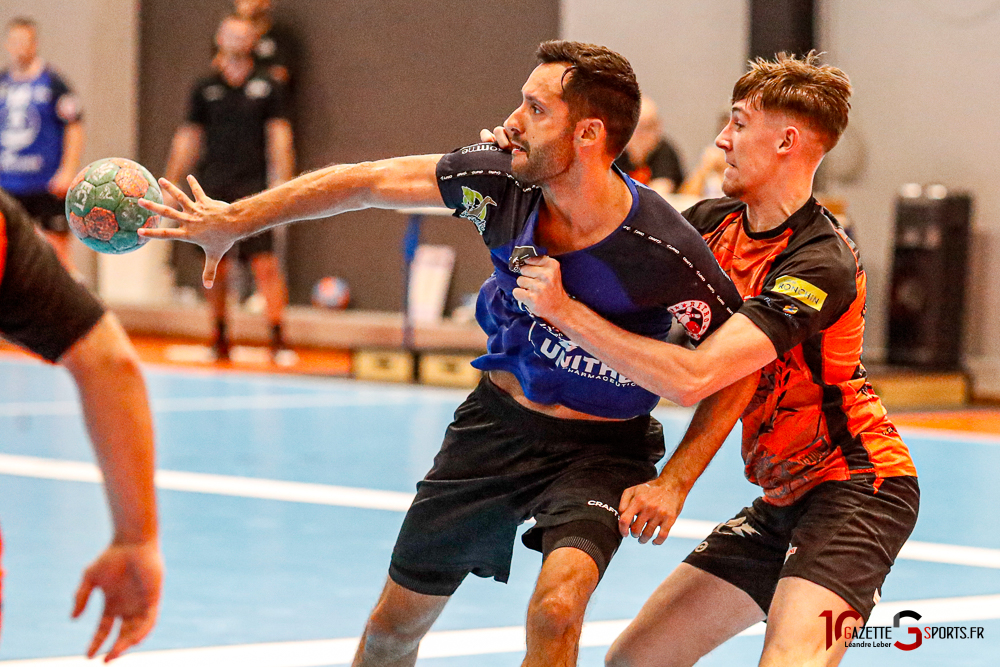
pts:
[840, 490]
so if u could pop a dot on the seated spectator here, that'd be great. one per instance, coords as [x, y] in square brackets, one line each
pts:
[649, 158]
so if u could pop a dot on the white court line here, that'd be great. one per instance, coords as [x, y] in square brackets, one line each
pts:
[483, 641]
[224, 485]
[220, 403]
[396, 501]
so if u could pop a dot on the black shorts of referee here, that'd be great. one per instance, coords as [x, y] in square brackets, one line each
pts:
[501, 465]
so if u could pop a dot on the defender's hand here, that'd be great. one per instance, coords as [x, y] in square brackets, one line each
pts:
[131, 577]
[647, 507]
[540, 289]
[202, 221]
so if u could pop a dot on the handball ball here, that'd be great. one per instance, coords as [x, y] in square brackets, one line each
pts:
[102, 205]
[331, 292]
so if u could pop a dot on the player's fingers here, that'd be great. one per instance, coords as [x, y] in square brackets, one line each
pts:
[176, 233]
[102, 632]
[196, 189]
[176, 192]
[501, 137]
[132, 631]
[661, 537]
[487, 137]
[83, 592]
[648, 531]
[164, 210]
[211, 266]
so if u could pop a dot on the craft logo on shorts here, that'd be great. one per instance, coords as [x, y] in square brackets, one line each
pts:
[475, 207]
[801, 290]
[694, 316]
[880, 636]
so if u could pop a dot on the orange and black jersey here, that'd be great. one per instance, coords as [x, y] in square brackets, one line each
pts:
[814, 417]
[41, 307]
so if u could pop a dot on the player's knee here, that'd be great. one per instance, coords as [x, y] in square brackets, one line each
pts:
[555, 611]
[387, 640]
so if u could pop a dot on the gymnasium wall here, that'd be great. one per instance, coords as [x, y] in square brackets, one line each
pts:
[924, 73]
[375, 80]
[101, 64]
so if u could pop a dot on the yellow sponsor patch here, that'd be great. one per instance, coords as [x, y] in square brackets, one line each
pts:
[805, 292]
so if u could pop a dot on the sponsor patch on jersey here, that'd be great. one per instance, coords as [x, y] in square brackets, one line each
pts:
[801, 290]
[475, 207]
[695, 316]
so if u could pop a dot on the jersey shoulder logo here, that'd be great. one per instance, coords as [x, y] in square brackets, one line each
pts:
[475, 207]
[801, 290]
[695, 316]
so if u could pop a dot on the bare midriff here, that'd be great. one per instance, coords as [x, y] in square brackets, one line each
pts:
[510, 385]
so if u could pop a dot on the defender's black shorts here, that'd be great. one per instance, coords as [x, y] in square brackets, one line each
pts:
[502, 464]
[47, 210]
[843, 536]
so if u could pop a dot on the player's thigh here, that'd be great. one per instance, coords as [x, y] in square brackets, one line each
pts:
[797, 634]
[688, 615]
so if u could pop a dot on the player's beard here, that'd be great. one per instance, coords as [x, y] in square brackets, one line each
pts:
[546, 161]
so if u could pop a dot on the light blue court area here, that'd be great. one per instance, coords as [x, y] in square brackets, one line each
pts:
[281, 499]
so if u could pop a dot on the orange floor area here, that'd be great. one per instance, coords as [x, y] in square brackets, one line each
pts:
[165, 351]
[978, 420]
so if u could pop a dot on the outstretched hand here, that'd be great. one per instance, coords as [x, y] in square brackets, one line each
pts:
[644, 508]
[131, 576]
[201, 220]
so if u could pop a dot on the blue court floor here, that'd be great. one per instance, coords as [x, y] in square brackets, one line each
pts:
[281, 498]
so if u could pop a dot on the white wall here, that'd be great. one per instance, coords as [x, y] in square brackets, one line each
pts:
[687, 56]
[94, 44]
[925, 106]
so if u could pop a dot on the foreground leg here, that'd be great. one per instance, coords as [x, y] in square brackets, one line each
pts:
[688, 615]
[399, 621]
[796, 632]
[555, 613]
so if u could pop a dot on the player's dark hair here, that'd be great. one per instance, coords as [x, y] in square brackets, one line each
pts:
[598, 83]
[22, 22]
[819, 94]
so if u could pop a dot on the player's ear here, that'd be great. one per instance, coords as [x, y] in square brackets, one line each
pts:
[790, 139]
[591, 131]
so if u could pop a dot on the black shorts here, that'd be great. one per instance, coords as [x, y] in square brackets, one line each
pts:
[255, 245]
[47, 210]
[843, 536]
[502, 464]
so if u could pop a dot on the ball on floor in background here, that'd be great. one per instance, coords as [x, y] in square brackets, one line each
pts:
[331, 292]
[102, 205]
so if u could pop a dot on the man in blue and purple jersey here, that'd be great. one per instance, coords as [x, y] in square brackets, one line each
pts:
[551, 433]
[41, 135]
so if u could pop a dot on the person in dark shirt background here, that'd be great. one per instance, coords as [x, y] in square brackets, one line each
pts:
[239, 141]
